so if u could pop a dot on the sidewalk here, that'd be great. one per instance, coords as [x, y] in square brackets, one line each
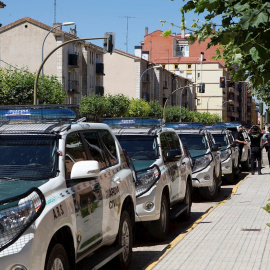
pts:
[234, 236]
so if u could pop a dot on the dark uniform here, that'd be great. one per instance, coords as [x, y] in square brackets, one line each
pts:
[240, 139]
[256, 151]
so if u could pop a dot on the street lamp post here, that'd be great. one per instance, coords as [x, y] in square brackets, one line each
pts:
[222, 108]
[143, 74]
[55, 49]
[178, 89]
[62, 24]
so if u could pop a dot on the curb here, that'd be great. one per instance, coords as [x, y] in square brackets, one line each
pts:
[181, 236]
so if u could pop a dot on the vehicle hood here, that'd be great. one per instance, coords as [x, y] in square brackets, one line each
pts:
[195, 153]
[142, 164]
[13, 188]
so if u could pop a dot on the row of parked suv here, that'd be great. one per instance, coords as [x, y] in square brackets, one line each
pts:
[71, 191]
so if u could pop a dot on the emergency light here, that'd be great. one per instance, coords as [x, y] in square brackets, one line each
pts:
[185, 125]
[131, 122]
[25, 113]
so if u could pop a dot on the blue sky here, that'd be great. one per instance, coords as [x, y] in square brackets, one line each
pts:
[94, 18]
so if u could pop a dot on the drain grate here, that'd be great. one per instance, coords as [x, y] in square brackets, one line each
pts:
[251, 230]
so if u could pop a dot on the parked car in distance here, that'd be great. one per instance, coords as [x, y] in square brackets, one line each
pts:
[150, 145]
[229, 154]
[205, 154]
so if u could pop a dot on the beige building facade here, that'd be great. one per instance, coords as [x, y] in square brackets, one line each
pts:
[78, 66]
[136, 77]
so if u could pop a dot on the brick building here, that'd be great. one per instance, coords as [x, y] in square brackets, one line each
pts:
[195, 62]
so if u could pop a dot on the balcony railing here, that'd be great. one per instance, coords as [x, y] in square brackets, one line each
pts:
[100, 68]
[99, 90]
[73, 86]
[73, 59]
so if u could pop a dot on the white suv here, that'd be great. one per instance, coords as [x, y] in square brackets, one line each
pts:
[158, 196]
[229, 154]
[67, 194]
[205, 154]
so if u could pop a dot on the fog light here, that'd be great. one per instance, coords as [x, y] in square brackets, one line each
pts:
[149, 206]
[207, 177]
[18, 267]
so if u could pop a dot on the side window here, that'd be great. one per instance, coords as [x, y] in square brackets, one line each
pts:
[95, 149]
[210, 140]
[164, 145]
[110, 146]
[74, 152]
[173, 140]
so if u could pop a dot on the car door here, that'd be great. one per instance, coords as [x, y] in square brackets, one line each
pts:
[216, 154]
[235, 150]
[87, 196]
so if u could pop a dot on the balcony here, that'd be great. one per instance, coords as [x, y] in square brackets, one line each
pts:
[99, 90]
[100, 69]
[73, 59]
[232, 114]
[73, 87]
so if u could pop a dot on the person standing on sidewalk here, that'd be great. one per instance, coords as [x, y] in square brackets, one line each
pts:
[241, 140]
[255, 134]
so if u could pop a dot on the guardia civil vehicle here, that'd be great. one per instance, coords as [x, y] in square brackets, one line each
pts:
[205, 155]
[165, 191]
[67, 194]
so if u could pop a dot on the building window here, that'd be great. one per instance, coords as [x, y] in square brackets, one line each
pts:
[175, 66]
[163, 66]
[199, 75]
[189, 66]
[182, 50]
[189, 75]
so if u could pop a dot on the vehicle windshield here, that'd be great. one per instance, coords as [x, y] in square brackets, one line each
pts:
[221, 139]
[140, 147]
[196, 144]
[30, 158]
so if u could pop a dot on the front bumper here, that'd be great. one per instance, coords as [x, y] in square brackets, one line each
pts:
[203, 178]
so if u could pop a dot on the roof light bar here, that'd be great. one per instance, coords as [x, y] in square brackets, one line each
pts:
[37, 114]
[185, 125]
[132, 122]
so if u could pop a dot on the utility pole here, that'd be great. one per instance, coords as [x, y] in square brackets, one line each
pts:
[127, 17]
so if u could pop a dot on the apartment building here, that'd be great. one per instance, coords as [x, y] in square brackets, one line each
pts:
[138, 78]
[78, 65]
[196, 62]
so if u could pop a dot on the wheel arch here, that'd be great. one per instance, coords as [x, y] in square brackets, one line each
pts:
[63, 236]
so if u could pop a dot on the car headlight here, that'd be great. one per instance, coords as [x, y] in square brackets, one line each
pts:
[146, 179]
[17, 214]
[225, 154]
[201, 162]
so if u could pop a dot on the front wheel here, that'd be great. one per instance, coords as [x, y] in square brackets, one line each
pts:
[57, 259]
[211, 192]
[124, 239]
[159, 228]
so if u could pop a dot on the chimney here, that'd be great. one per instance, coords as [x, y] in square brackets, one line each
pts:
[73, 31]
[202, 56]
[146, 31]
[59, 25]
[183, 33]
[138, 51]
[145, 55]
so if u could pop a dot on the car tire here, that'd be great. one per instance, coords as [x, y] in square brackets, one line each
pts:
[159, 228]
[57, 259]
[210, 193]
[188, 201]
[125, 239]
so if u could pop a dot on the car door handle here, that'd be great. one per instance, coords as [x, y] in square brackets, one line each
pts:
[117, 179]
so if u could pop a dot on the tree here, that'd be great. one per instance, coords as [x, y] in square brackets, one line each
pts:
[244, 37]
[116, 105]
[17, 88]
[138, 108]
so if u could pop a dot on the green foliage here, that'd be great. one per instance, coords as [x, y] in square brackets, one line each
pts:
[244, 35]
[138, 108]
[17, 88]
[267, 209]
[93, 106]
[117, 105]
[156, 110]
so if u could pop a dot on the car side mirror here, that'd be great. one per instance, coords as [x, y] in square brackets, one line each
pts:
[85, 169]
[173, 155]
[216, 147]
